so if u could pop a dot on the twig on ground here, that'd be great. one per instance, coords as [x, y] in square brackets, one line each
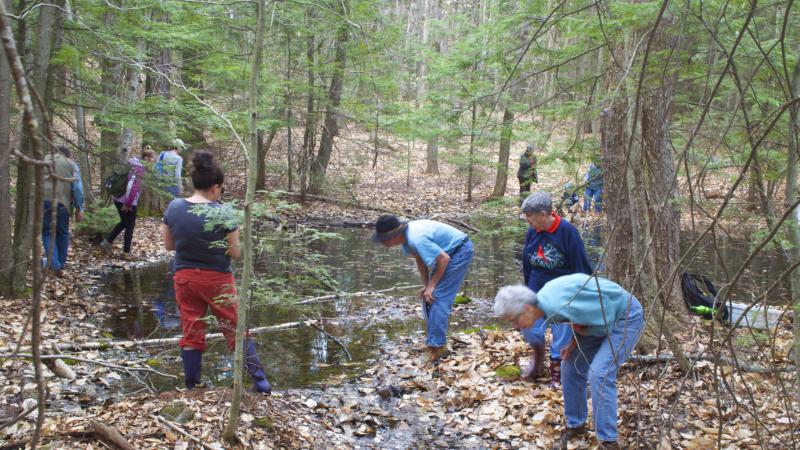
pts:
[331, 337]
[463, 224]
[180, 430]
[18, 417]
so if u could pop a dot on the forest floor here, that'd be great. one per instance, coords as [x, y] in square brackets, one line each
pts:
[398, 402]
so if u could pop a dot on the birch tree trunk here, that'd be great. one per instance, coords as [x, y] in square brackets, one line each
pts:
[229, 434]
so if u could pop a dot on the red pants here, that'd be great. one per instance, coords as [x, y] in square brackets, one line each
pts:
[196, 290]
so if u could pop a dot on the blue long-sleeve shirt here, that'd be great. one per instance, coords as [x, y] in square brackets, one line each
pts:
[552, 253]
[584, 300]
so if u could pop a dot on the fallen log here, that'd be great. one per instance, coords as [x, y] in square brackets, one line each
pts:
[111, 435]
[354, 294]
[59, 357]
[746, 367]
[169, 341]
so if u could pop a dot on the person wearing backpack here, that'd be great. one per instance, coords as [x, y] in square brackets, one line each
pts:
[126, 202]
[169, 166]
[67, 194]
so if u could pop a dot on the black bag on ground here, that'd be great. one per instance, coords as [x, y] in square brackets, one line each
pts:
[700, 291]
[117, 183]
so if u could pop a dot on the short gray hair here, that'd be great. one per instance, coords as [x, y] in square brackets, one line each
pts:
[539, 201]
[511, 300]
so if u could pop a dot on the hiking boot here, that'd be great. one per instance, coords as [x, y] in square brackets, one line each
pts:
[555, 374]
[569, 434]
[106, 247]
[437, 353]
[535, 369]
[128, 256]
[608, 445]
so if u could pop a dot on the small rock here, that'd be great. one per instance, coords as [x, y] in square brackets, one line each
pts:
[177, 412]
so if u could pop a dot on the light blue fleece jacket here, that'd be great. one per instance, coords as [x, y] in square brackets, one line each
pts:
[584, 300]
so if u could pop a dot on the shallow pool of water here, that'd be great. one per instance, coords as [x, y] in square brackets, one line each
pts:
[144, 305]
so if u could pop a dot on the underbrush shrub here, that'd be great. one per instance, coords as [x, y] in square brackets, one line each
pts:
[98, 220]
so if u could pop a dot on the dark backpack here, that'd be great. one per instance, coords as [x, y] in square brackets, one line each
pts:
[700, 291]
[117, 183]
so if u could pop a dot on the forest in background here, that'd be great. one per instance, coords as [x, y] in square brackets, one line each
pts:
[691, 107]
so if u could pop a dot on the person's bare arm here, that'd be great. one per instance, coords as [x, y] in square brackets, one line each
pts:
[441, 265]
[166, 234]
[234, 249]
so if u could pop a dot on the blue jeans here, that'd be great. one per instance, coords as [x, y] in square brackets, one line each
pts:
[437, 314]
[561, 336]
[589, 195]
[597, 359]
[57, 260]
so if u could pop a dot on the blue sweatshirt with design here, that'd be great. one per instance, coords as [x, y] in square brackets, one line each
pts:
[552, 253]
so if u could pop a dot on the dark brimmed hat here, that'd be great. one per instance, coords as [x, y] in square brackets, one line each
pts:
[387, 227]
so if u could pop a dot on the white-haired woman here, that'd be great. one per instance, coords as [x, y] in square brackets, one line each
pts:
[606, 321]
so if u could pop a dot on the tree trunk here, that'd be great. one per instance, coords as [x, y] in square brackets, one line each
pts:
[6, 254]
[229, 434]
[794, 223]
[310, 132]
[32, 130]
[158, 85]
[83, 150]
[471, 161]
[23, 217]
[639, 182]
[132, 83]
[110, 79]
[501, 180]
[331, 127]
[289, 161]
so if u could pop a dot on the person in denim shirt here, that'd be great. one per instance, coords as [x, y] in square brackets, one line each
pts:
[443, 255]
[605, 323]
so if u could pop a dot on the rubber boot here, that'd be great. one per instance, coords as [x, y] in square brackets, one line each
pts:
[536, 368]
[555, 373]
[192, 361]
[252, 364]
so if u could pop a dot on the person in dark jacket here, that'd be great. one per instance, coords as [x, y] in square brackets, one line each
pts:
[553, 248]
[527, 171]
